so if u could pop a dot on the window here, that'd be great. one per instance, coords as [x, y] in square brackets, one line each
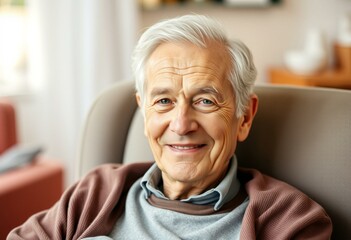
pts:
[13, 39]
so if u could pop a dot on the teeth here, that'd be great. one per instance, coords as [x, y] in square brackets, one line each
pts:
[185, 147]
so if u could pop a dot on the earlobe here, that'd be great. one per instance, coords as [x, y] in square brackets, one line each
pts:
[247, 119]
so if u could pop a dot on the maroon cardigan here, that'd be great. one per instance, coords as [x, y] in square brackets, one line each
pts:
[92, 206]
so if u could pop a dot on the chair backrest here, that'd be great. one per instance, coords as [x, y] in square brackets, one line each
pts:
[300, 135]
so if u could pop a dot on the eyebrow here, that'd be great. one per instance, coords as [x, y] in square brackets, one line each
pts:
[210, 90]
[204, 90]
[159, 91]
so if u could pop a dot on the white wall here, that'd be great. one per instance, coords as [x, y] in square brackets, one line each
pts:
[268, 32]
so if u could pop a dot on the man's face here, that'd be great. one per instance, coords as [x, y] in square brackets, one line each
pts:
[190, 118]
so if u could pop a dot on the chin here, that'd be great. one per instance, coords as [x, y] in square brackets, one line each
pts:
[183, 173]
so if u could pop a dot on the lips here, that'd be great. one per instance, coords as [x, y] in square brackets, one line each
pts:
[186, 147]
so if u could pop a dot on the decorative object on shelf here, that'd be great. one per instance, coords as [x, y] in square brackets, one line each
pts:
[343, 58]
[158, 4]
[254, 3]
[344, 31]
[150, 4]
[312, 58]
[342, 46]
[302, 67]
[337, 76]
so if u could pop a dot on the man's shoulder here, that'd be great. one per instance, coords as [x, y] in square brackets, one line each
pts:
[258, 183]
[106, 180]
[276, 205]
[116, 170]
[268, 193]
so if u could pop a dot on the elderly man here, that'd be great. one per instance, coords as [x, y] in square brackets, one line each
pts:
[194, 87]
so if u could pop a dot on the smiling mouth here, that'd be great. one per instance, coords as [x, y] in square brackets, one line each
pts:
[187, 147]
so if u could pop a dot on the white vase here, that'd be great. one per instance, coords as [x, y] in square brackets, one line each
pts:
[344, 31]
[312, 58]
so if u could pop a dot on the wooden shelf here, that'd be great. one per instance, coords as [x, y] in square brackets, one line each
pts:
[328, 78]
[338, 77]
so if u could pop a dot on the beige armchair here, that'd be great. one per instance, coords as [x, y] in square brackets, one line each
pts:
[300, 135]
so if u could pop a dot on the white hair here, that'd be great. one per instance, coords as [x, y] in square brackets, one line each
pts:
[198, 30]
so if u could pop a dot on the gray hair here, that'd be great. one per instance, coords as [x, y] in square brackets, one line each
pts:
[198, 30]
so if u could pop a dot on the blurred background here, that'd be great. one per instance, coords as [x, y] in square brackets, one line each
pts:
[56, 56]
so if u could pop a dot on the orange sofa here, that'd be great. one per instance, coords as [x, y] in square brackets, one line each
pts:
[26, 189]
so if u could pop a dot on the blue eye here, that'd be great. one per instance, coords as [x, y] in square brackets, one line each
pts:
[164, 101]
[206, 102]
[205, 105]
[163, 105]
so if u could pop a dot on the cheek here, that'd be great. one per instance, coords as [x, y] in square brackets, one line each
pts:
[223, 130]
[152, 123]
[223, 125]
[155, 127]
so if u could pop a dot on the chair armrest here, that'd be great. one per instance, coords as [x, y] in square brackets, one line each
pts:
[27, 190]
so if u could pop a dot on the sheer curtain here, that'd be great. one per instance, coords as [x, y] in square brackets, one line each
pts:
[76, 49]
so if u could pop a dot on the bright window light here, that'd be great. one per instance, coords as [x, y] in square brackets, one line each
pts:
[12, 48]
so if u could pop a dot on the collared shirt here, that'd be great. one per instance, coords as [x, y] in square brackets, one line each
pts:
[224, 192]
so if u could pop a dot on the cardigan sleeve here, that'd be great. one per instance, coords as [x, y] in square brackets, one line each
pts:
[88, 208]
[277, 210]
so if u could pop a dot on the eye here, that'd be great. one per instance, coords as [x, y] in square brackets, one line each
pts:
[206, 102]
[163, 104]
[205, 105]
[164, 101]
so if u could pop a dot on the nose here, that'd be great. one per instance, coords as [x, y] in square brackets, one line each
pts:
[183, 122]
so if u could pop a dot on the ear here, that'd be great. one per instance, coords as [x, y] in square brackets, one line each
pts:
[138, 99]
[246, 120]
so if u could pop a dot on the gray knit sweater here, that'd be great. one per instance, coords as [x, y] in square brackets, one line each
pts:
[145, 221]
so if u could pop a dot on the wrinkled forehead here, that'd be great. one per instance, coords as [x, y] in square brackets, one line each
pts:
[186, 61]
[212, 50]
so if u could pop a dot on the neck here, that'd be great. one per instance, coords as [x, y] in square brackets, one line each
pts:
[177, 190]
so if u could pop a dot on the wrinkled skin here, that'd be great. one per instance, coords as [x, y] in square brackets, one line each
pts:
[190, 118]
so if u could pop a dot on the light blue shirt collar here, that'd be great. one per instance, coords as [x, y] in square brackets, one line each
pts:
[224, 192]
